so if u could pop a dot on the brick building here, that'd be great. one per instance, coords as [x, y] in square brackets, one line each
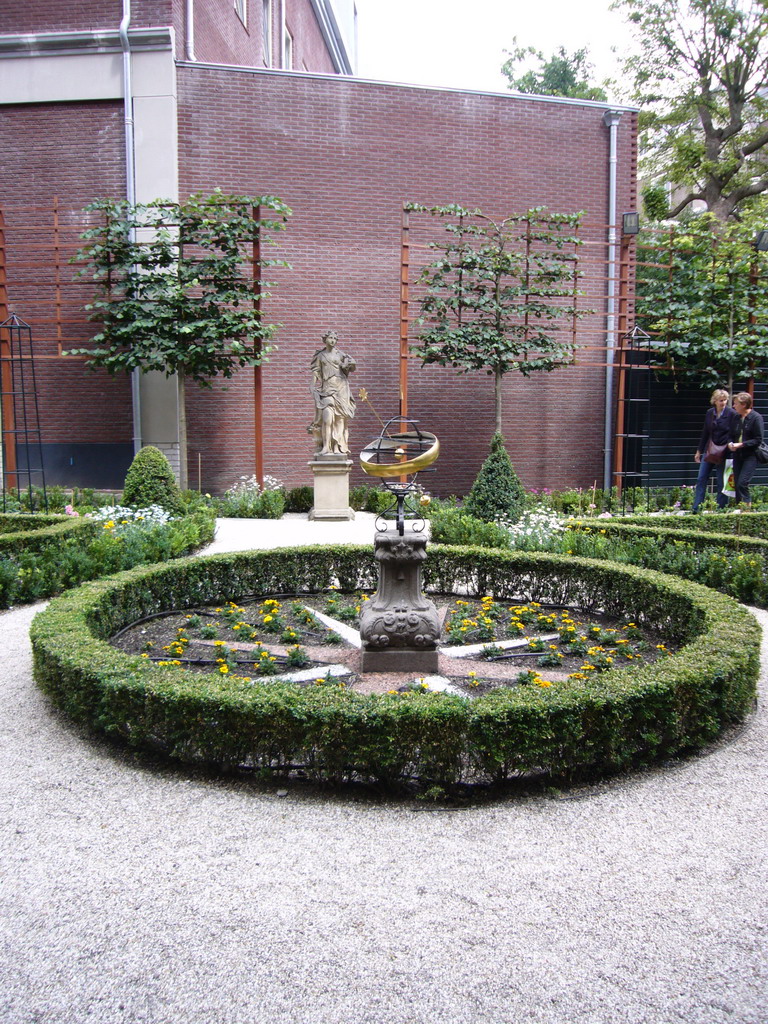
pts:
[260, 97]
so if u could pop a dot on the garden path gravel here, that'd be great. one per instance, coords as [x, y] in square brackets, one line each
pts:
[135, 893]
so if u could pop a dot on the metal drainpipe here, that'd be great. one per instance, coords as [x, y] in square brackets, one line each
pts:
[189, 25]
[130, 188]
[611, 119]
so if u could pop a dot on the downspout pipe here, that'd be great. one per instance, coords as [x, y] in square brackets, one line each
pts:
[611, 120]
[130, 187]
[189, 29]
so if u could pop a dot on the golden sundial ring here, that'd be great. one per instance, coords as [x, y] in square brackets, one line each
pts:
[388, 446]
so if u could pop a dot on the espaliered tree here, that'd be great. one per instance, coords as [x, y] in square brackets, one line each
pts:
[177, 290]
[702, 295]
[501, 295]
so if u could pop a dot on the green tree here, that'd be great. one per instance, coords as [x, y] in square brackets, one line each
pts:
[561, 74]
[702, 295]
[176, 288]
[500, 297]
[699, 70]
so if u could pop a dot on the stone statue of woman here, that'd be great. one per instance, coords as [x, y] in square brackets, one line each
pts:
[334, 404]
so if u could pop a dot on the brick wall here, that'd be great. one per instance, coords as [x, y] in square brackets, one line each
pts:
[345, 155]
[73, 153]
[80, 15]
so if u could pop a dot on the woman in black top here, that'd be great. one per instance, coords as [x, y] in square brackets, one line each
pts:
[747, 438]
[719, 424]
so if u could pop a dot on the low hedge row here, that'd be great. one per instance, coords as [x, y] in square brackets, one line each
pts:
[745, 524]
[733, 563]
[36, 563]
[616, 720]
[27, 533]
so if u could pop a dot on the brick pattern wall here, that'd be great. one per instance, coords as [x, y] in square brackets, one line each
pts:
[76, 157]
[345, 155]
[80, 15]
[221, 37]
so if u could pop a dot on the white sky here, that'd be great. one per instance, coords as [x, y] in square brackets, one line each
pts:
[461, 43]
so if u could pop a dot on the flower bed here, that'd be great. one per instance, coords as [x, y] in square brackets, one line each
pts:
[735, 563]
[50, 553]
[617, 719]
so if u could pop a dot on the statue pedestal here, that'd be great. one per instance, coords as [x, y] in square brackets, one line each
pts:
[399, 626]
[331, 482]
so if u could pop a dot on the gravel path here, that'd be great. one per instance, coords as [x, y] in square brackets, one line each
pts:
[132, 892]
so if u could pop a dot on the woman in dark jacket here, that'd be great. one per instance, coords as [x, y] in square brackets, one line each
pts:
[747, 438]
[719, 425]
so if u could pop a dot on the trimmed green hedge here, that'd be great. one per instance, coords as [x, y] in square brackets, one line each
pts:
[26, 533]
[616, 720]
[745, 524]
[736, 564]
[64, 551]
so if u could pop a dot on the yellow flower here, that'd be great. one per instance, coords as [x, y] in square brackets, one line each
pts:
[223, 669]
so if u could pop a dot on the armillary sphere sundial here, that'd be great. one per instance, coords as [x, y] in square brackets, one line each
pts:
[400, 626]
[396, 455]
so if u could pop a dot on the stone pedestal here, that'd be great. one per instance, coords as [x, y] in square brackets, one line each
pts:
[400, 626]
[331, 481]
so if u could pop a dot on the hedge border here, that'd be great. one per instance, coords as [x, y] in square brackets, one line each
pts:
[35, 533]
[744, 524]
[31, 552]
[619, 719]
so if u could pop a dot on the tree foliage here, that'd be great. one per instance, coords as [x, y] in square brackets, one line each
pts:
[500, 296]
[700, 69]
[175, 287]
[702, 295]
[561, 74]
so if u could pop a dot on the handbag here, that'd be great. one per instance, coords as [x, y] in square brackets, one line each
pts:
[761, 453]
[729, 480]
[715, 453]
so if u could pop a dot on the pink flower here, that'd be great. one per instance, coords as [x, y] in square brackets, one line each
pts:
[69, 511]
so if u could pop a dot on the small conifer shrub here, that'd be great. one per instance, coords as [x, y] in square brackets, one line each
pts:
[497, 492]
[150, 481]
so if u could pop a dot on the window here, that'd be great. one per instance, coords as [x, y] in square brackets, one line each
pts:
[266, 28]
[287, 50]
[242, 10]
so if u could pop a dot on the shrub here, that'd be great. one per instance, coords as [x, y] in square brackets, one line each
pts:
[497, 492]
[300, 499]
[452, 526]
[150, 481]
[618, 719]
[363, 498]
[247, 499]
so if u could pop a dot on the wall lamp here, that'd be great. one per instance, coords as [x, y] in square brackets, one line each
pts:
[630, 224]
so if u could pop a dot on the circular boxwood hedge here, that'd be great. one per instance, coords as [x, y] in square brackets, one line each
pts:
[616, 720]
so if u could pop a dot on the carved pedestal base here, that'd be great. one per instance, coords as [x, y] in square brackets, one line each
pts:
[399, 626]
[331, 479]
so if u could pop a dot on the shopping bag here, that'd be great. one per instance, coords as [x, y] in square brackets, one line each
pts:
[729, 480]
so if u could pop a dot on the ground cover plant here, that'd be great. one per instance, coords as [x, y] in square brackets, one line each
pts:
[614, 719]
